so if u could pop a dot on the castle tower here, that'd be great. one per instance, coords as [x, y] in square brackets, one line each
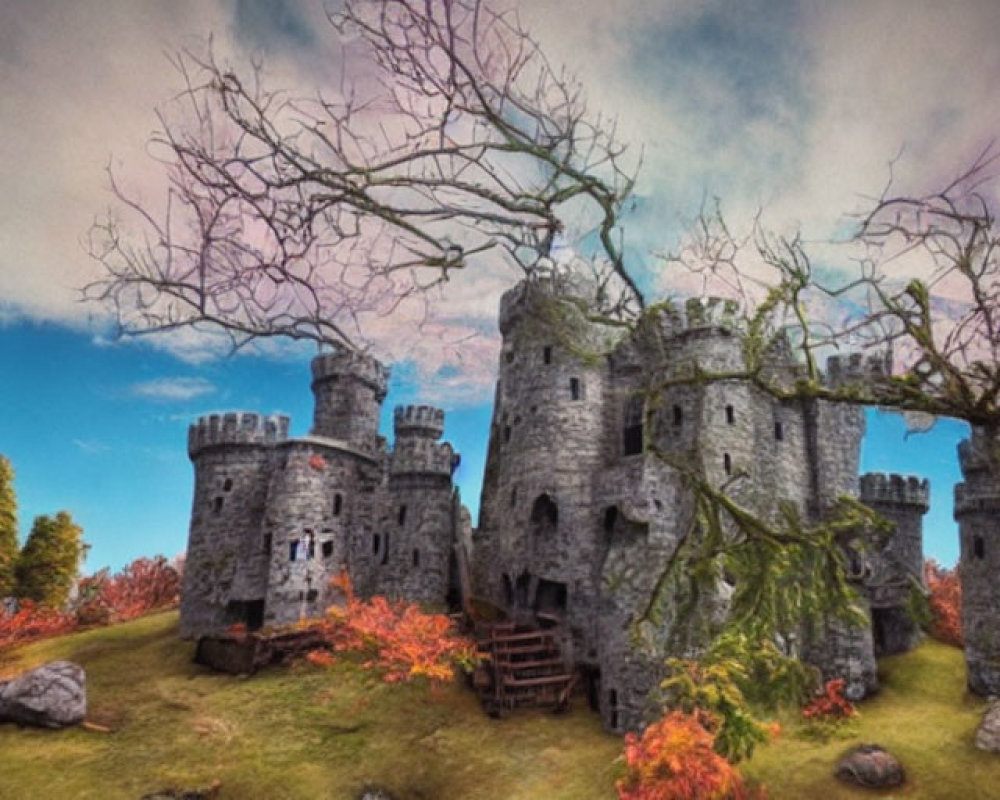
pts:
[225, 578]
[349, 389]
[897, 570]
[977, 511]
[538, 520]
[411, 548]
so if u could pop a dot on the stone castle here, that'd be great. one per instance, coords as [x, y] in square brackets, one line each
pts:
[583, 501]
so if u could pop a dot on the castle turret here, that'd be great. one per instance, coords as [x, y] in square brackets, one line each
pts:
[411, 554]
[225, 579]
[349, 389]
[896, 570]
[977, 511]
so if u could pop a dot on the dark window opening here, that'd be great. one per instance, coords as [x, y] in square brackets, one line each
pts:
[678, 416]
[293, 549]
[730, 415]
[217, 505]
[509, 356]
[544, 516]
[574, 388]
[267, 543]
[547, 355]
[385, 550]
[228, 485]
[612, 709]
[610, 517]
[727, 463]
[513, 497]
[506, 433]
[633, 426]
[550, 597]
[327, 549]
[376, 544]
[248, 612]
[311, 596]
[401, 516]
[310, 545]
[338, 504]
[779, 431]
[978, 547]
[416, 557]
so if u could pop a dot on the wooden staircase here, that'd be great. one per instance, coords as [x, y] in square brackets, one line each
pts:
[521, 666]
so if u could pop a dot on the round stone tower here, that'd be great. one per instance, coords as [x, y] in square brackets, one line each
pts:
[225, 575]
[539, 523]
[897, 569]
[413, 555]
[349, 389]
[977, 511]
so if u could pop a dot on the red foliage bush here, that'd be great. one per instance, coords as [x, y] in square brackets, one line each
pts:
[945, 600]
[831, 704]
[675, 759]
[404, 641]
[32, 621]
[144, 585]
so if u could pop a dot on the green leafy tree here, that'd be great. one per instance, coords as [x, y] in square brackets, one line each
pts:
[8, 527]
[50, 560]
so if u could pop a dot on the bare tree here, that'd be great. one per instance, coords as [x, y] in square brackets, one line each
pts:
[302, 217]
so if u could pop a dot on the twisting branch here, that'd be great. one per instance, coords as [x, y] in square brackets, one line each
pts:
[302, 217]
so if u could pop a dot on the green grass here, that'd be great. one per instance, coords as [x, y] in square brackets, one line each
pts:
[286, 733]
[922, 714]
[301, 732]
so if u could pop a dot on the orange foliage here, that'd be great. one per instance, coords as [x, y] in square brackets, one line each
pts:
[831, 704]
[404, 641]
[32, 621]
[945, 601]
[143, 586]
[675, 759]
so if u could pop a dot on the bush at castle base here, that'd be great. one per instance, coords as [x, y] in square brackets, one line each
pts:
[675, 759]
[945, 601]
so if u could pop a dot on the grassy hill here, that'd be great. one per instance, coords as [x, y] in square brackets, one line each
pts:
[306, 733]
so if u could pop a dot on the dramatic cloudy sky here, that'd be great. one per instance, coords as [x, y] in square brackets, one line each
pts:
[795, 108]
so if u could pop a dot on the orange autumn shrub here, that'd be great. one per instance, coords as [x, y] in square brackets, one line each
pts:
[675, 759]
[144, 585]
[945, 601]
[403, 642]
[32, 621]
[831, 704]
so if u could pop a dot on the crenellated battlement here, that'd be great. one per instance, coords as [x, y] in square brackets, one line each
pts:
[857, 367]
[365, 368]
[236, 428]
[421, 456]
[418, 421]
[892, 489]
[974, 455]
[518, 301]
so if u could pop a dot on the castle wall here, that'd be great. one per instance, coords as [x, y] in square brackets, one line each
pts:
[977, 510]
[226, 564]
[318, 506]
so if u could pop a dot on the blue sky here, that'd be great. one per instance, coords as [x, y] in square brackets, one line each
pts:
[791, 109]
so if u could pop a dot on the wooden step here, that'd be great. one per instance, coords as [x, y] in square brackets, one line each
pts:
[511, 682]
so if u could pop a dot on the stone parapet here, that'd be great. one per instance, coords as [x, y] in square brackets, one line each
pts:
[878, 488]
[361, 367]
[236, 428]
[421, 456]
[424, 422]
[857, 367]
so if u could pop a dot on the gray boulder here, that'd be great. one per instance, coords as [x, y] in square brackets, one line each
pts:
[870, 765]
[988, 733]
[52, 696]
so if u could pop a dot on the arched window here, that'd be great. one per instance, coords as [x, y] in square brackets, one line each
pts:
[633, 433]
[544, 516]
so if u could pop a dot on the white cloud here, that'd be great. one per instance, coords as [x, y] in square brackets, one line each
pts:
[172, 389]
